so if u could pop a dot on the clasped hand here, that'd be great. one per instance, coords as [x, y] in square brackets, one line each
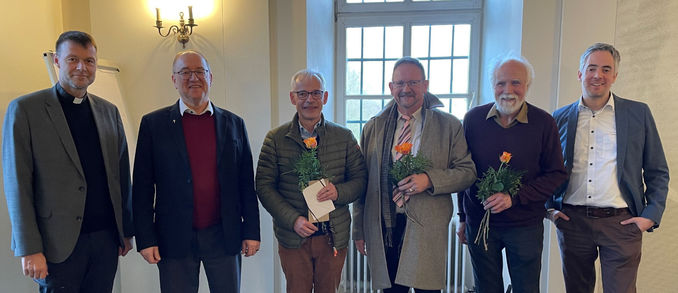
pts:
[415, 183]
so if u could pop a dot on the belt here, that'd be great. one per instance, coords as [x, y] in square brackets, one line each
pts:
[323, 228]
[598, 212]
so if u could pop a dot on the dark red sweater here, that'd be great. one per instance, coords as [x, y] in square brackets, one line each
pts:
[201, 144]
[535, 148]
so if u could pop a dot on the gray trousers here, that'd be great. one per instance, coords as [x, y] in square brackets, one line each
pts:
[585, 237]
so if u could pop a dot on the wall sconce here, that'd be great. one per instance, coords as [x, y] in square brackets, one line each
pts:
[183, 31]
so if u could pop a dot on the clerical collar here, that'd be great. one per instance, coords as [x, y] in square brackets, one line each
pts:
[66, 97]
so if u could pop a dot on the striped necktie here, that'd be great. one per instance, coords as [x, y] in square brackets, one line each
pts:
[405, 136]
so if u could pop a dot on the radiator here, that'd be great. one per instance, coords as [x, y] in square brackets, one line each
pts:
[356, 274]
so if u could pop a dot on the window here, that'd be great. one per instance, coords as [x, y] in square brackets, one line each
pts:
[445, 39]
[371, 36]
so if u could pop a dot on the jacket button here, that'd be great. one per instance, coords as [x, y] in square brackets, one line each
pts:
[78, 218]
[188, 181]
[81, 188]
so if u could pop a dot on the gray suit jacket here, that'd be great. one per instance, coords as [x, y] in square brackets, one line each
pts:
[640, 157]
[45, 185]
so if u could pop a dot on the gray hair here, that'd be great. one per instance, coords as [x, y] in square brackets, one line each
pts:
[510, 58]
[413, 61]
[305, 74]
[184, 52]
[600, 47]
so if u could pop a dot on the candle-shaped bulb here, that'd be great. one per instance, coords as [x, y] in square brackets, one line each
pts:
[190, 12]
[157, 14]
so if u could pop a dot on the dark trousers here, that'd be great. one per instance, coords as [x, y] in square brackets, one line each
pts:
[181, 275]
[523, 255]
[393, 258]
[582, 238]
[313, 267]
[91, 266]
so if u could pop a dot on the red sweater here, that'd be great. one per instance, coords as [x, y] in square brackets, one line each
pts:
[201, 144]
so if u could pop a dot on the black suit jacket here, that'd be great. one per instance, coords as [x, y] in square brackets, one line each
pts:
[162, 174]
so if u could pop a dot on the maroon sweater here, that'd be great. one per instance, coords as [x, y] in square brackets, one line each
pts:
[535, 147]
[201, 144]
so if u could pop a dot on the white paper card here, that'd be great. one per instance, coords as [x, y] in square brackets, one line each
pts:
[318, 208]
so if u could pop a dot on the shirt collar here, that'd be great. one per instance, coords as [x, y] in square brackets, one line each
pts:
[521, 117]
[305, 133]
[183, 108]
[416, 115]
[608, 105]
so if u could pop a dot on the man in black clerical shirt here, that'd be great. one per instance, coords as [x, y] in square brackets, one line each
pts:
[66, 175]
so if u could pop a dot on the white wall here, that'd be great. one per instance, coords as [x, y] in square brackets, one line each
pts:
[555, 33]
[301, 36]
[551, 35]
[288, 53]
[255, 46]
[646, 37]
[501, 35]
[36, 25]
[320, 47]
[235, 41]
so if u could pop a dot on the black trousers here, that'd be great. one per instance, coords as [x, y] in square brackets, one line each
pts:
[181, 275]
[89, 269]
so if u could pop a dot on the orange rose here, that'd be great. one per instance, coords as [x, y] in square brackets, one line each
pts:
[311, 143]
[404, 148]
[505, 157]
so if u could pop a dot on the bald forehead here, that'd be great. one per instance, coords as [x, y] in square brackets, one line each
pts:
[181, 59]
[308, 79]
[408, 67]
[515, 68]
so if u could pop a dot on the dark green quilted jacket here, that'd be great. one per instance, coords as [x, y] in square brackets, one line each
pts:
[277, 183]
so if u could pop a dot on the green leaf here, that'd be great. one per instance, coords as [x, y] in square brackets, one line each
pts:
[497, 187]
[408, 165]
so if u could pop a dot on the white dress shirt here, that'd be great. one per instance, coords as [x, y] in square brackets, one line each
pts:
[183, 108]
[593, 181]
[416, 125]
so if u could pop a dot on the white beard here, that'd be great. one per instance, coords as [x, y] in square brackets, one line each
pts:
[506, 108]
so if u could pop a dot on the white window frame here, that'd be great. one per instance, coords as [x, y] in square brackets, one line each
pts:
[391, 16]
[408, 14]
[407, 5]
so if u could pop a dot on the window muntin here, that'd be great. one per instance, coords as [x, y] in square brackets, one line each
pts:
[443, 47]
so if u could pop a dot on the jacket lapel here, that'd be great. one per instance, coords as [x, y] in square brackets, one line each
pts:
[571, 134]
[622, 133]
[222, 126]
[56, 115]
[100, 121]
[177, 133]
[108, 139]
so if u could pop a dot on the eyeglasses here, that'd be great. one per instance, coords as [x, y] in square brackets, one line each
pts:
[303, 95]
[410, 83]
[186, 74]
